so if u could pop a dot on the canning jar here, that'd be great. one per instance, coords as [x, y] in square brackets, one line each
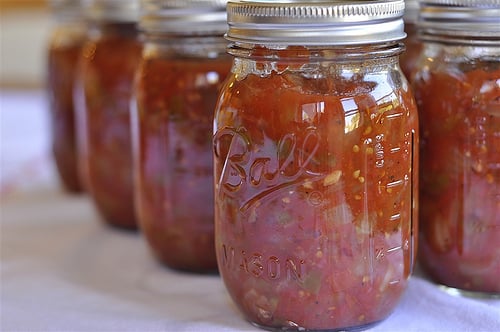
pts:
[110, 58]
[413, 44]
[66, 40]
[457, 88]
[314, 151]
[183, 64]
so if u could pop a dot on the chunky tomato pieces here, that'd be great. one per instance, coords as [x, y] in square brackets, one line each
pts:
[460, 176]
[176, 98]
[108, 70]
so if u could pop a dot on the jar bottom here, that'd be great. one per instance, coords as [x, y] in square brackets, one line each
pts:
[187, 268]
[467, 293]
[121, 219]
[299, 328]
[125, 227]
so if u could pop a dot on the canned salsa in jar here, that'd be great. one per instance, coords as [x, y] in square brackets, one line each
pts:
[314, 171]
[110, 59]
[183, 65]
[457, 87]
[175, 180]
[66, 41]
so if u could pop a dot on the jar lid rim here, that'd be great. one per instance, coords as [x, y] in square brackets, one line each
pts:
[112, 10]
[184, 17]
[172, 4]
[67, 10]
[471, 17]
[315, 22]
[412, 9]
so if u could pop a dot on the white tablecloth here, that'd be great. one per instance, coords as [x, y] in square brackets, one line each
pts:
[62, 269]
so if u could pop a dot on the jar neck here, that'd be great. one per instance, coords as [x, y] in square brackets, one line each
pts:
[70, 26]
[463, 38]
[317, 53]
[318, 62]
[67, 32]
[457, 53]
[68, 35]
[117, 29]
[67, 12]
[165, 45]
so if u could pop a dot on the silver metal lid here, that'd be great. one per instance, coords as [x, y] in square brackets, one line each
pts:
[112, 10]
[63, 4]
[460, 19]
[412, 9]
[315, 22]
[67, 10]
[184, 17]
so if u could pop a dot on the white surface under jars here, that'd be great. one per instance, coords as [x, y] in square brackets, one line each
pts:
[63, 270]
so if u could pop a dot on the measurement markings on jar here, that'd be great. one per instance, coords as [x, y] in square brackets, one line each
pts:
[395, 150]
[390, 250]
[384, 152]
[393, 116]
[391, 186]
[368, 248]
[394, 187]
[395, 217]
[494, 168]
[382, 253]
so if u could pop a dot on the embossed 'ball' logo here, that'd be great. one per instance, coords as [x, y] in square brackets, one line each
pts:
[257, 171]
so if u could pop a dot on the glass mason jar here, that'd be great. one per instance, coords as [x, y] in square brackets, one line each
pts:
[413, 44]
[183, 64]
[64, 47]
[457, 88]
[110, 58]
[315, 151]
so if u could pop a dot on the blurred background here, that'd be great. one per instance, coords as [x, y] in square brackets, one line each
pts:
[25, 150]
[24, 32]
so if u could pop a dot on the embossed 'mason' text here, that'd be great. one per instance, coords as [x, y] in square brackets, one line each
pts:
[260, 266]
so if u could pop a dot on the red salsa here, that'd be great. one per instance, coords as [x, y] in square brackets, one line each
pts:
[108, 68]
[63, 55]
[176, 97]
[314, 191]
[460, 175]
